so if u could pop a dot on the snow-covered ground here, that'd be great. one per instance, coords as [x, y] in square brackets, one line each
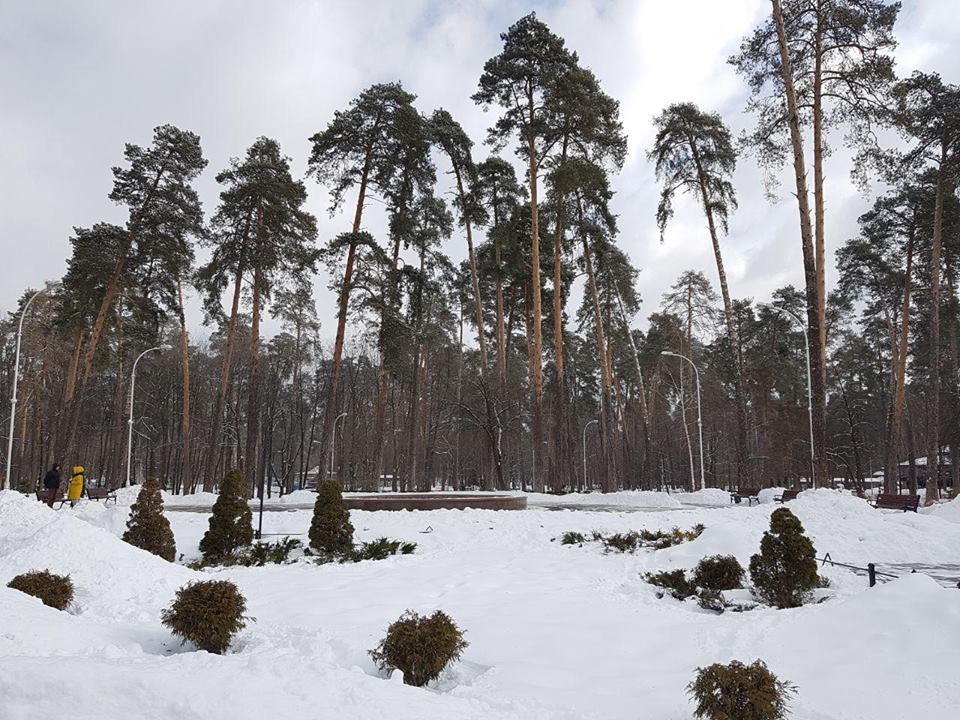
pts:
[555, 631]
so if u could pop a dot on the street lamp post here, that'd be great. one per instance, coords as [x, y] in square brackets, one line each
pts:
[13, 395]
[696, 371]
[333, 445]
[133, 384]
[592, 422]
[806, 343]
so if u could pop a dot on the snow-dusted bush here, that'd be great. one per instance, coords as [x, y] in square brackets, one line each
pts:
[673, 580]
[572, 537]
[784, 572]
[420, 647]
[147, 527]
[330, 529]
[55, 591]
[379, 549]
[739, 692]
[718, 572]
[208, 614]
[231, 524]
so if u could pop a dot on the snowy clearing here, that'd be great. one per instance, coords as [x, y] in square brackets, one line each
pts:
[555, 631]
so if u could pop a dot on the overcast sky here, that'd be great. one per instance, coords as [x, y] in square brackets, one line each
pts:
[78, 80]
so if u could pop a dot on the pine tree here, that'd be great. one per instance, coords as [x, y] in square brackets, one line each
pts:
[330, 529]
[261, 229]
[819, 64]
[363, 146]
[928, 114]
[498, 189]
[156, 188]
[231, 524]
[694, 153]
[148, 528]
[784, 573]
[522, 80]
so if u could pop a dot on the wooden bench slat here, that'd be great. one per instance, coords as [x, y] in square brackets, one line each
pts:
[887, 501]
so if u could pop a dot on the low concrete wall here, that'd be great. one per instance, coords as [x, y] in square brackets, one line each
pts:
[434, 501]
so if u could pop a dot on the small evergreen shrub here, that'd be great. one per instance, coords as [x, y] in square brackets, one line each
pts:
[379, 549]
[208, 614]
[572, 538]
[420, 647]
[622, 542]
[784, 572]
[717, 573]
[147, 527]
[739, 692]
[330, 529]
[257, 555]
[661, 540]
[675, 581]
[231, 524]
[54, 591]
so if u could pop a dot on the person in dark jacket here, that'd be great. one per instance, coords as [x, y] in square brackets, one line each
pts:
[51, 484]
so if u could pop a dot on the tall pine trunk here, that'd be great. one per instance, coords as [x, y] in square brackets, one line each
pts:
[213, 456]
[185, 367]
[900, 374]
[733, 335]
[933, 401]
[817, 370]
[536, 350]
[250, 457]
[330, 410]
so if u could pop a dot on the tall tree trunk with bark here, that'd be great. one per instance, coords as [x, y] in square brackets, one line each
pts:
[250, 456]
[733, 334]
[214, 454]
[933, 402]
[185, 369]
[330, 410]
[817, 369]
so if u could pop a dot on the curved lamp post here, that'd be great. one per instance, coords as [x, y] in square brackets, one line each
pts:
[13, 395]
[806, 342]
[133, 384]
[703, 483]
[592, 422]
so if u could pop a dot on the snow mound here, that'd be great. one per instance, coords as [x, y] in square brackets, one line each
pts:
[949, 511]
[110, 577]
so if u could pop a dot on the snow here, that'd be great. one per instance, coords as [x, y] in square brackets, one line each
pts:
[558, 632]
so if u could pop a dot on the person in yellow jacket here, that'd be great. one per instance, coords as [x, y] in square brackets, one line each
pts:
[75, 489]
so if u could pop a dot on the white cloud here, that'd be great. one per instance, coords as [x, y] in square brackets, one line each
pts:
[79, 80]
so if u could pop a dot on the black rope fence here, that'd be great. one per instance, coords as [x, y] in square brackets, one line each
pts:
[871, 570]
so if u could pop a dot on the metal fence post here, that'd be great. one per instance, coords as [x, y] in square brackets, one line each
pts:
[872, 572]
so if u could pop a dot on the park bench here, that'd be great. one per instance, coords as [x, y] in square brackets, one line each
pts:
[787, 496]
[102, 493]
[751, 495]
[59, 495]
[897, 502]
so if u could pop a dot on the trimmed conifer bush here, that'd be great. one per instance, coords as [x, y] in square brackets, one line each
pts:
[784, 572]
[208, 614]
[330, 529]
[718, 572]
[147, 527]
[54, 591]
[420, 647]
[739, 692]
[231, 524]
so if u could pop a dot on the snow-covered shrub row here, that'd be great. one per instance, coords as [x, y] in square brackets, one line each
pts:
[633, 540]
